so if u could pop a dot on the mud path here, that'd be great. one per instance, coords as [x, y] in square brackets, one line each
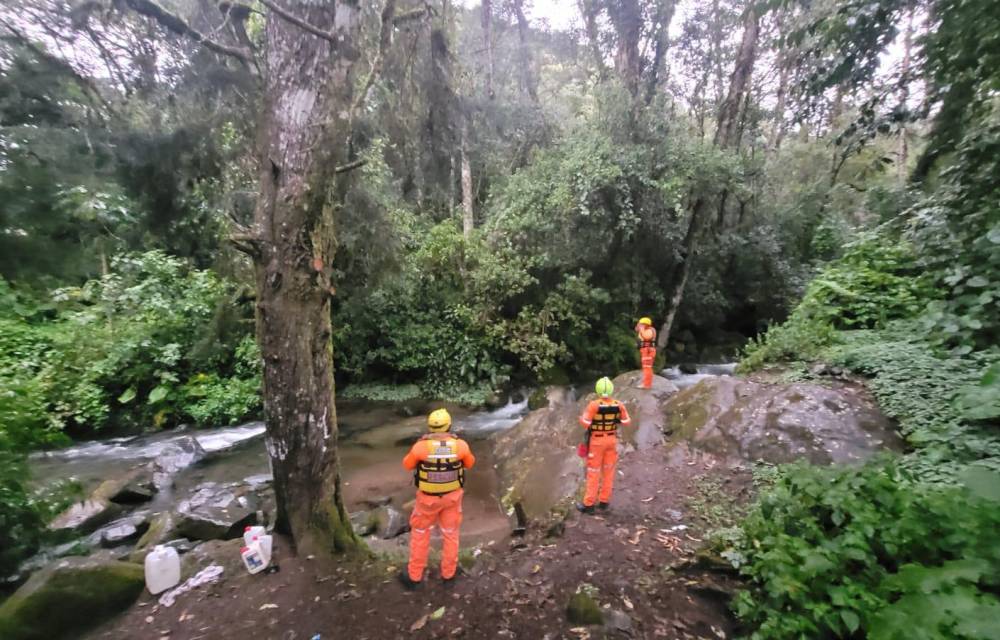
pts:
[634, 559]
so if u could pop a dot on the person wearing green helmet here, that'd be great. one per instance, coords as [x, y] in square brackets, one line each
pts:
[601, 419]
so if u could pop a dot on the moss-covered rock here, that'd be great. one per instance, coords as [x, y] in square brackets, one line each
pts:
[538, 399]
[583, 609]
[68, 597]
[162, 527]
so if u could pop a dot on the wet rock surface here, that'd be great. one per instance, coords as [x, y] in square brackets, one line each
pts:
[743, 421]
[86, 516]
[178, 455]
[215, 512]
[537, 461]
[123, 531]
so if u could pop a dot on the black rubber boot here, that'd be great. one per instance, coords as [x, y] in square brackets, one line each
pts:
[408, 584]
[582, 508]
[603, 506]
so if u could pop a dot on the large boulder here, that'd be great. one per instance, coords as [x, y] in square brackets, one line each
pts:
[390, 522]
[133, 487]
[177, 455]
[85, 516]
[67, 598]
[740, 421]
[536, 459]
[123, 531]
[214, 512]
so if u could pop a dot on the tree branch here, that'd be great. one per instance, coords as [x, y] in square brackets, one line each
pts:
[384, 42]
[287, 16]
[350, 166]
[176, 24]
[90, 90]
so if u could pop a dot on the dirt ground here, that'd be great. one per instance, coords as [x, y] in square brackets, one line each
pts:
[634, 558]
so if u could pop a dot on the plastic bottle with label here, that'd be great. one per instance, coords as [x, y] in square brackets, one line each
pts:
[163, 569]
[250, 533]
[253, 559]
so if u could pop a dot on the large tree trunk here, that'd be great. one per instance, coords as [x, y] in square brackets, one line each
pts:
[726, 136]
[304, 137]
[627, 19]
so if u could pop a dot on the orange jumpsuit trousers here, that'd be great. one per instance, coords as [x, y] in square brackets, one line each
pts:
[647, 355]
[601, 461]
[445, 511]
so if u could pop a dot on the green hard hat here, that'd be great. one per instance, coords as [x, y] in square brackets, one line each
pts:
[604, 387]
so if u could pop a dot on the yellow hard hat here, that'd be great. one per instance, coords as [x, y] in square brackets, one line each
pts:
[604, 387]
[645, 320]
[439, 420]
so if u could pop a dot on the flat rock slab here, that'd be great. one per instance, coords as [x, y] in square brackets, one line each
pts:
[741, 421]
[86, 516]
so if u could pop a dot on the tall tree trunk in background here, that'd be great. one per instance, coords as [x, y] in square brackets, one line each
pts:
[487, 22]
[468, 214]
[308, 97]
[904, 150]
[590, 9]
[658, 73]
[528, 83]
[726, 137]
[626, 16]
[781, 99]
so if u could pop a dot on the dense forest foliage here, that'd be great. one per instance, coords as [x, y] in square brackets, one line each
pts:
[825, 175]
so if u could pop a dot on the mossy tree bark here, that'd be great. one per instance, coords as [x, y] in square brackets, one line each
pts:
[308, 98]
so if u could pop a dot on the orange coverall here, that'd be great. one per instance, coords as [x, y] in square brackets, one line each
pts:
[647, 352]
[443, 510]
[603, 455]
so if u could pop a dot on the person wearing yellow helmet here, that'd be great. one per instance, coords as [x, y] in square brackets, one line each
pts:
[438, 462]
[646, 341]
[601, 419]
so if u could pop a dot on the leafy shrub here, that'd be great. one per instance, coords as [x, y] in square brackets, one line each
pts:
[957, 229]
[849, 553]
[923, 392]
[21, 524]
[125, 350]
[797, 339]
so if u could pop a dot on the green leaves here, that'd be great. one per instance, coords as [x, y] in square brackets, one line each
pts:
[982, 401]
[158, 394]
[910, 561]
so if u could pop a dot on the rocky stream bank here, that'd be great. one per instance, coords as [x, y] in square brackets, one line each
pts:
[634, 572]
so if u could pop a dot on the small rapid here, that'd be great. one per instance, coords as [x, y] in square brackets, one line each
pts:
[702, 372]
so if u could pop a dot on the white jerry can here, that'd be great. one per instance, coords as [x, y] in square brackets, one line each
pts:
[163, 569]
[264, 542]
[253, 559]
[250, 533]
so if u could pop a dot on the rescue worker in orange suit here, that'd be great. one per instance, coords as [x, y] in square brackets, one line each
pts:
[438, 461]
[601, 419]
[646, 336]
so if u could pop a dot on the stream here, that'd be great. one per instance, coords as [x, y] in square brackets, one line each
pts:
[373, 441]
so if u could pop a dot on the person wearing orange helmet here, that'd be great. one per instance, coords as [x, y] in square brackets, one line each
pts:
[601, 419]
[438, 462]
[646, 337]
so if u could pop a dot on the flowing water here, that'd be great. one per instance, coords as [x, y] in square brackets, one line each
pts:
[702, 371]
[373, 441]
